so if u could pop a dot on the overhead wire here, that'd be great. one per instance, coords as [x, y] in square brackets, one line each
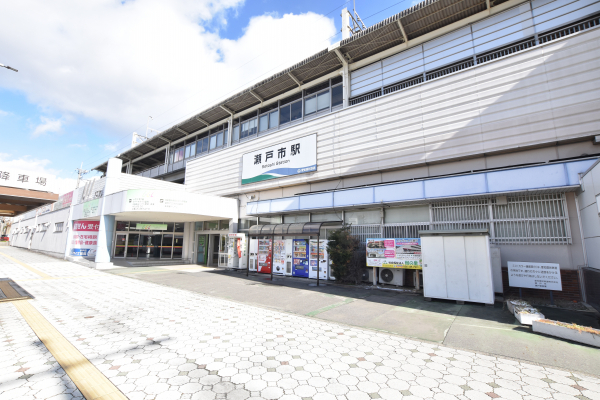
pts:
[241, 87]
[126, 136]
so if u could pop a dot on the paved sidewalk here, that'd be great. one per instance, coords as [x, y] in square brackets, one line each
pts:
[157, 342]
[470, 327]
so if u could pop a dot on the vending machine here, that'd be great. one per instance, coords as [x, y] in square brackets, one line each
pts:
[289, 252]
[300, 258]
[253, 254]
[318, 261]
[237, 247]
[279, 257]
[264, 256]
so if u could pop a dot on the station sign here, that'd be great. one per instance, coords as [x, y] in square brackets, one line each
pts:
[296, 156]
[24, 179]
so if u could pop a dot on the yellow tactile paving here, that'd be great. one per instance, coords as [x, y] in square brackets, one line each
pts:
[35, 271]
[88, 379]
[10, 293]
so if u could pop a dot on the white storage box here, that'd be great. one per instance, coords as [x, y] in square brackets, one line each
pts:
[457, 265]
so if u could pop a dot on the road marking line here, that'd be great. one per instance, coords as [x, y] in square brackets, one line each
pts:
[330, 307]
[35, 271]
[88, 379]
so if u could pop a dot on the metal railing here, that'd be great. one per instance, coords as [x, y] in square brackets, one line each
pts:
[591, 284]
[364, 232]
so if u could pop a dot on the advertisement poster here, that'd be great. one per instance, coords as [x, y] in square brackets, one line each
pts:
[534, 275]
[394, 253]
[64, 201]
[293, 157]
[85, 238]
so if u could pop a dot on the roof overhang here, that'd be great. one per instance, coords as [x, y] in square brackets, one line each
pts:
[14, 201]
[412, 23]
[539, 179]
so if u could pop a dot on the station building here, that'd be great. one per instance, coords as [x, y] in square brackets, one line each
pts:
[452, 114]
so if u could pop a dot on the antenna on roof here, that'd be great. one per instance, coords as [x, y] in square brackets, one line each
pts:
[136, 136]
[351, 22]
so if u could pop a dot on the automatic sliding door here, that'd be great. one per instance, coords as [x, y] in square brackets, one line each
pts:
[150, 246]
[178, 247]
[120, 245]
[133, 244]
[167, 246]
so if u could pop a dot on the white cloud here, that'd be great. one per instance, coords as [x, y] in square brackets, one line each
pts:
[78, 145]
[3, 113]
[47, 125]
[35, 166]
[119, 62]
[110, 147]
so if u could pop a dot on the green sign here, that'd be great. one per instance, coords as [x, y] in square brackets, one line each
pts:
[151, 227]
[91, 208]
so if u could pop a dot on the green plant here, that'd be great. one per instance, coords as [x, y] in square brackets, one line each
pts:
[341, 247]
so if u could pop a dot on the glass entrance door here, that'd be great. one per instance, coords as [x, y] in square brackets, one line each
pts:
[150, 246]
[133, 244]
[120, 245]
[167, 246]
[201, 249]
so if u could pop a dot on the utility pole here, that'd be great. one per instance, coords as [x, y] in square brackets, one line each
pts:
[80, 172]
[8, 67]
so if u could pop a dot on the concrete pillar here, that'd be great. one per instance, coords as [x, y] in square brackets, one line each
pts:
[107, 222]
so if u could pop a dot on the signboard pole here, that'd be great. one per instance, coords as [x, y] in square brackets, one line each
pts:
[248, 255]
[318, 257]
[272, 258]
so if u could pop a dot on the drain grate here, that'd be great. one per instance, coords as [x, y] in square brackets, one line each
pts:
[10, 291]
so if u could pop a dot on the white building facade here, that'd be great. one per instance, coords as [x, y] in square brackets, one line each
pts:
[449, 115]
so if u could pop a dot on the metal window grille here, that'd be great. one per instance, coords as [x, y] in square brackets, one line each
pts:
[570, 29]
[405, 230]
[534, 219]
[363, 232]
[504, 51]
[365, 97]
[403, 85]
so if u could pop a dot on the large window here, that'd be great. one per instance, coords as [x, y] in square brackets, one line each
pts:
[202, 145]
[249, 128]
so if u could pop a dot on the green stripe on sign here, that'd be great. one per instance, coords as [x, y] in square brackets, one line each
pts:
[258, 178]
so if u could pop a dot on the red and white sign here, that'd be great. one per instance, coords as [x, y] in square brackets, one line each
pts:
[85, 238]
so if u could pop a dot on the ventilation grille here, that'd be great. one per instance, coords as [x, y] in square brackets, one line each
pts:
[403, 85]
[365, 97]
[506, 50]
[450, 69]
[570, 29]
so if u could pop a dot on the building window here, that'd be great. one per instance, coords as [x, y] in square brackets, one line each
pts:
[58, 226]
[363, 217]
[337, 95]
[246, 223]
[295, 218]
[202, 145]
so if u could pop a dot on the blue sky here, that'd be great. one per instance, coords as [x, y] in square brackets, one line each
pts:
[91, 73]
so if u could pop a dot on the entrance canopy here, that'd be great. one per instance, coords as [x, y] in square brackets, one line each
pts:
[296, 229]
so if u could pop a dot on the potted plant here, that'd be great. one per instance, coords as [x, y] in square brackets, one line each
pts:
[527, 314]
[574, 332]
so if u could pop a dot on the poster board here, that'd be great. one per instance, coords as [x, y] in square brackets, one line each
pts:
[84, 242]
[394, 253]
[534, 275]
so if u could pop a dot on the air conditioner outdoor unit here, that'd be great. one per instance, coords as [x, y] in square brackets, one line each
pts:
[367, 275]
[391, 276]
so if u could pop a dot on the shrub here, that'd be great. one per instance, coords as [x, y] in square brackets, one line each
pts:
[341, 248]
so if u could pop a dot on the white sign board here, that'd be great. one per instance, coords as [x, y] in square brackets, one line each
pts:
[534, 275]
[154, 200]
[293, 157]
[23, 179]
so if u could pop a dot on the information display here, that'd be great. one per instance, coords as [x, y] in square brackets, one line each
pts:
[394, 253]
[534, 275]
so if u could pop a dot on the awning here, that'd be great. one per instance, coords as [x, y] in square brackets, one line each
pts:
[297, 229]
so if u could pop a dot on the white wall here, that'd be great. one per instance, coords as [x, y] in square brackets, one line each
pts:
[543, 95]
[47, 241]
[590, 215]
